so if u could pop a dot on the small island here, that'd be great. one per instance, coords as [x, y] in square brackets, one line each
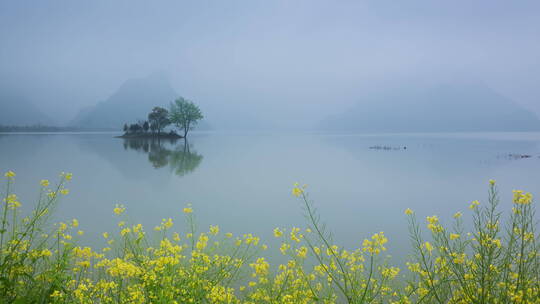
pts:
[149, 135]
[183, 114]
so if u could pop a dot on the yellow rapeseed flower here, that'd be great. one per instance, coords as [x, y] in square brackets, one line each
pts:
[277, 232]
[429, 247]
[261, 267]
[454, 236]
[56, 294]
[457, 215]
[137, 228]
[297, 191]
[51, 194]
[125, 231]
[301, 252]
[202, 242]
[10, 174]
[294, 236]
[44, 183]
[474, 204]
[119, 209]
[187, 210]
[284, 247]
[375, 245]
[432, 219]
[521, 198]
[214, 230]
[408, 211]
[391, 272]
[433, 224]
[12, 201]
[167, 223]
[62, 227]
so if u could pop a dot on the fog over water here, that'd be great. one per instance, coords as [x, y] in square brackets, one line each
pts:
[264, 64]
[377, 105]
[242, 182]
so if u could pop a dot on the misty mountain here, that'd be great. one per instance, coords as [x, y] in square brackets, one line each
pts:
[131, 102]
[442, 108]
[17, 110]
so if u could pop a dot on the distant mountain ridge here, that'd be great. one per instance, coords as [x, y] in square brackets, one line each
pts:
[443, 108]
[17, 110]
[131, 102]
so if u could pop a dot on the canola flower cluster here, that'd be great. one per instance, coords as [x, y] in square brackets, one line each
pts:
[44, 264]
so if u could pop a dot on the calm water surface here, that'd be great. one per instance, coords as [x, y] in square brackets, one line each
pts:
[242, 182]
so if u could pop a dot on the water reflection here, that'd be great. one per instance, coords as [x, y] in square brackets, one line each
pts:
[179, 155]
[357, 190]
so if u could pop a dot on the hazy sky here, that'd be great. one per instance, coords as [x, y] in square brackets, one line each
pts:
[289, 61]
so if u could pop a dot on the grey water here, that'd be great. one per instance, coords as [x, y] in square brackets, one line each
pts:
[360, 184]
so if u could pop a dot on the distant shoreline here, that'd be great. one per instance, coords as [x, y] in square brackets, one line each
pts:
[49, 129]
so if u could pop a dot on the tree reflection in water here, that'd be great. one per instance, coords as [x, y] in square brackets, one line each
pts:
[179, 156]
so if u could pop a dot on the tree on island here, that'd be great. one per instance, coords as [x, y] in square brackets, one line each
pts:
[134, 128]
[184, 114]
[146, 126]
[159, 119]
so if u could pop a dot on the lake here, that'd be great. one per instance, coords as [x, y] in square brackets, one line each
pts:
[361, 184]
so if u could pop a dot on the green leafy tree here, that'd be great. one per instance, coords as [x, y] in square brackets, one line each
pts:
[134, 128]
[184, 114]
[153, 128]
[159, 119]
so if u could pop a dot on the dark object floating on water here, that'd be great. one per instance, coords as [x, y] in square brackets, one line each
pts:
[387, 148]
[518, 156]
